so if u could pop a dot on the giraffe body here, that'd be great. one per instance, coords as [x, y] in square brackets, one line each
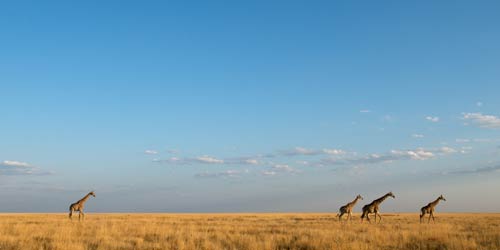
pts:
[429, 209]
[79, 206]
[373, 208]
[347, 209]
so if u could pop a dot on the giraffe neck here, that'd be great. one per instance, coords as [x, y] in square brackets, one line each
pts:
[381, 199]
[84, 199]
[434, 203]
[354, 201]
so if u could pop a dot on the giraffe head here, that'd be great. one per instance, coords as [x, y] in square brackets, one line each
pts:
[359, 197]
[92, 193]
[391, 195]
[441, 197]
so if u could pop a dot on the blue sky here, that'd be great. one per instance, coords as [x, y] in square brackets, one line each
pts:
[241, 107]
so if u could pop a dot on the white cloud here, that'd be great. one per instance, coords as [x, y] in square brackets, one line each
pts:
[335, 157]
[481, 140]
[209, 159]
[301, 151]
[432, 118]
[224, 174]
[251, 161]
[391, 156]
[242, 161]
[465, 150]
[417, 136]
[283, 167]
[310, 152]
[268, 173]
[15, 164]
[333, 151]
[260, 159]
[483, 121]
[479, 104]
[447, 150]
[20, 168]
[150, 152]
[481, 170]
[181, 161]
[417, 154]
[365, 111]
[172, 160]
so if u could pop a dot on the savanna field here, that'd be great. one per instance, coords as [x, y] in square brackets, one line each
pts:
[246, 232]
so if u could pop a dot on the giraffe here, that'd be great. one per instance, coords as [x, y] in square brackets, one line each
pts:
[373, 208]
[347, 209]
[429, 209]
[78, 206]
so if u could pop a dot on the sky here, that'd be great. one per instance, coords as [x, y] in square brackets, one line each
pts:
[258, 106]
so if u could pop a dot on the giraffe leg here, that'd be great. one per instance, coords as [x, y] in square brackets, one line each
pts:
[432, 214]
[83, 215]
[379, 217]
[340, 216]
[368, 217]
[349, 217]
[70, 214]
[79, 215]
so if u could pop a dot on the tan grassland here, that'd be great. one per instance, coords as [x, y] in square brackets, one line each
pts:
[246, 232]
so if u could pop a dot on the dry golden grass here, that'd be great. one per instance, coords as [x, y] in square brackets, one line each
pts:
[246, 231]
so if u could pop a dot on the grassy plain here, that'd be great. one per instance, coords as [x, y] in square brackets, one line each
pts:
[281, 231]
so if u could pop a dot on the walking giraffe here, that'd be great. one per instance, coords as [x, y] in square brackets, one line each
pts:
[429, 209]
[78, 206]
[373, 208]
[347, 209]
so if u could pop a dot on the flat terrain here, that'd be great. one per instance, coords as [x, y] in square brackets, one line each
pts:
[246, 231]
